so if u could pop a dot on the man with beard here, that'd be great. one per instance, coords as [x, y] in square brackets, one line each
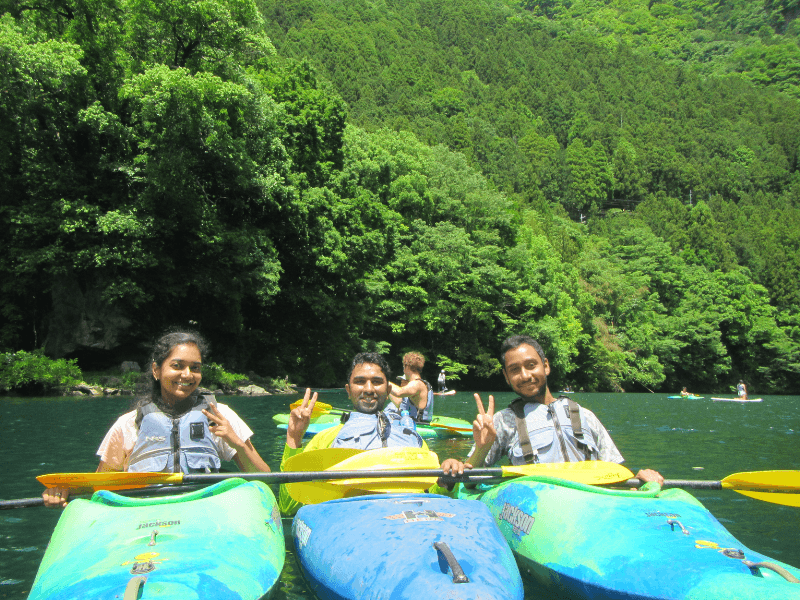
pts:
[368, 427]
[536, 427]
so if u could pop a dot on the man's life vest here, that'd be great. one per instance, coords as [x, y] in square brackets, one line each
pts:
[370, 432]
[565, 438]
[174, 444]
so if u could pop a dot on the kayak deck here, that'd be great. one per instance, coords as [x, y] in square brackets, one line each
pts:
[404, 547]
[222, 541]
[599, 543]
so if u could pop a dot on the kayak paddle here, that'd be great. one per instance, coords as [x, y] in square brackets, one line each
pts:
[778, 487]
[339, 464]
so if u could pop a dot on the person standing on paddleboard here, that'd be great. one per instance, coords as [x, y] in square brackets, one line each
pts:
[536, 427]
[142, 440]
[741, 389]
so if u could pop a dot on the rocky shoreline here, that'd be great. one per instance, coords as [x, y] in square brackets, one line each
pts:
[84, 389]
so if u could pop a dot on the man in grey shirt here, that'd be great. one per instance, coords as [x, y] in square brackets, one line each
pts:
[538, 428]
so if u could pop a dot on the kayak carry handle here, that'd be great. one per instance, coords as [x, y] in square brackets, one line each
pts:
[458, 572]
[133, 587]
[772, 567]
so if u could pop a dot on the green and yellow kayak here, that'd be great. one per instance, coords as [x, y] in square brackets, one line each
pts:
[224, 541]
[583, 541]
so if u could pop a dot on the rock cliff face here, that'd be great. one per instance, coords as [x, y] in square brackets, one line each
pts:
[84, 326]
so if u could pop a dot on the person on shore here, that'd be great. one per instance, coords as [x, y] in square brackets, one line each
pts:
[368, 427]
[741, 389]
[536, 427]
[416, 394]
[141, 440]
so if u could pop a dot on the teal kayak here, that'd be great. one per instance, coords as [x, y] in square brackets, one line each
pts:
[692, 397]
[404, 547]
[439, 427]
[224, 541]
[588, 542]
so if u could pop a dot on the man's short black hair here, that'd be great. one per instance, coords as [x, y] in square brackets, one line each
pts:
[515, 341]
[372, 358]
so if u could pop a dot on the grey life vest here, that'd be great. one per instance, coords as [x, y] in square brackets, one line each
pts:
[174, 444]
[563, 440]
[427, 412]
[370, 432]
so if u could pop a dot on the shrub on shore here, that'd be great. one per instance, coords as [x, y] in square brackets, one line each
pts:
[34, 374]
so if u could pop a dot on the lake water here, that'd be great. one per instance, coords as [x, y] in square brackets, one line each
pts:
[683, 439]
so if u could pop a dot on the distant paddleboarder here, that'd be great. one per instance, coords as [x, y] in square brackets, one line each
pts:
[741, 389]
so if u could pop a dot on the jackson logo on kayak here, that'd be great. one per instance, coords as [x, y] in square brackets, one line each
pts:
[149, 524]
[663, 514]
[521, 522]
[415, 516]
[302, 532]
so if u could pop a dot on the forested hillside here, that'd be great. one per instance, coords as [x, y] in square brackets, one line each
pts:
[306, 179]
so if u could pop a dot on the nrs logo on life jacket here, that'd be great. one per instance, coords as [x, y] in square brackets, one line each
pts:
[521, 522]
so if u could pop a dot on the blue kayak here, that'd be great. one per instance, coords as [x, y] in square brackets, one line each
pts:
[404, 546]
[588, 542]
[224, 541]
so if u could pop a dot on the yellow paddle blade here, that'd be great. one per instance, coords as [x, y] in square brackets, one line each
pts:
[450, 427]
[778, 487]
[321, 406]
[319, 460]
[592, 472]
[389, 459]
[775, 498]
[788, 481]
[108, 480]
[314, 492]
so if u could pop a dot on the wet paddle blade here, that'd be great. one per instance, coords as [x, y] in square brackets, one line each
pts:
[321, 406]
[316, 460]
[592, 472]
[778, 487]
[775, 498]
[373, 460]
[319, 460]
[450, 427]
[108, 480]
[389, 459]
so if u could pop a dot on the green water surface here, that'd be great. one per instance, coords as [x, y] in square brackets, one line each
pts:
[684, 439]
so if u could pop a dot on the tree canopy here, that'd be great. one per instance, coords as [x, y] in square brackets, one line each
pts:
[307, 179]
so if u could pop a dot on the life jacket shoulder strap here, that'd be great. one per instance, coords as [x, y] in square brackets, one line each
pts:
[518, 408]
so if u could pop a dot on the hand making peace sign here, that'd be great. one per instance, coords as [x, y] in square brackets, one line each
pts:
[299, 419]
[483, 431]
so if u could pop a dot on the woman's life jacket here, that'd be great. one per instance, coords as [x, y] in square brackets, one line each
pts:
[174, 444]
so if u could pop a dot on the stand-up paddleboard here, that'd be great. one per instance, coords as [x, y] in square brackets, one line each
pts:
[737, 399]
